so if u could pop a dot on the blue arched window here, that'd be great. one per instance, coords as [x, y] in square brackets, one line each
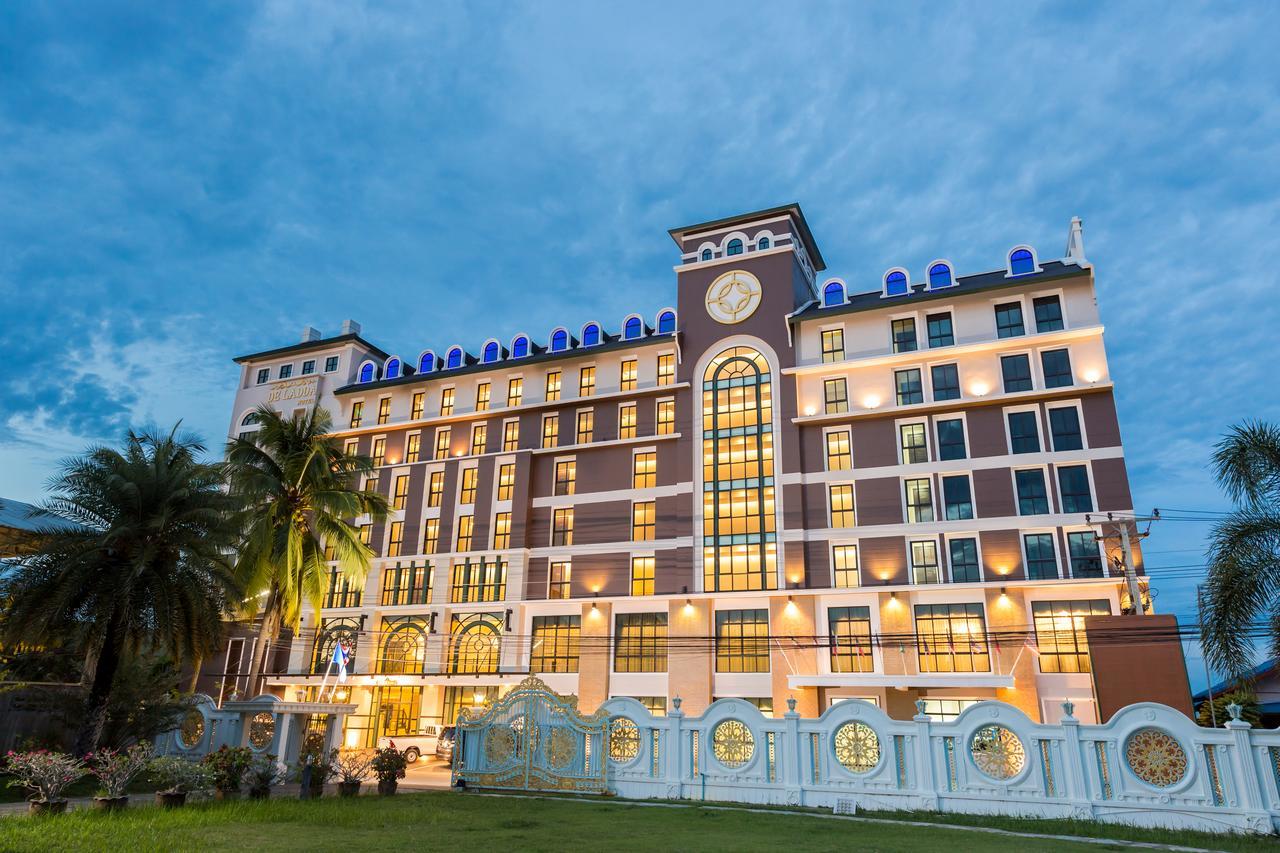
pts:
[559, 340]
[454, 358]
[590, 335]
[667, 323]
[393, 368]
[706, 254]
[520, 347]
[490, 352]
[632, 329]
[939, 276]
[427, 362]
[1021, 262]
[762, 243]
[833, 294]
[734, 247]
[895, 284]
[366, 372]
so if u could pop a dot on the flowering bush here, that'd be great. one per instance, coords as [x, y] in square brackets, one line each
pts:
[389, 764]
[264, 772]
[45, 774]
[177, 775]
[115, 770]
[228, 765]
[353, 766]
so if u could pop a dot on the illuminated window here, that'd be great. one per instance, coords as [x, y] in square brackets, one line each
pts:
[351, 446]
[474, 644]
[1060, 634]
[586, 426]
[409, 584]
[400, 495]
[470, 476]
[478, 580]
[833, 345]
[511, 435]
[435, 488]
[914, 446]
[630, 371]
[907, 386]
[640, 642]
[366, 534]
[550, 430]
[849, 629]
[483, 392]
[416, 407]
[395, 541]
[562, 526]
[466, 528]
[739, 539]
[666, 416]
[515, 391]
[379, 452]
[566, 477]
[357, 414]
[384, 410]
[844, 562]
[904, 335]
[457, 698]
[642, 521]
[666, 369]
[839, 451]
[952, 638]
[587, 382]
[919, 493]
[835, 395]
[644, 470]
[430, 535]
[924, 562]
[341, 591]
[446, 402]
[442, 443]
[555, 644]
[627, 420]
[642, 569]
[371, 482]
[553, 385]
[413, 448]
[479, 438]
[742, 640]
[842, 514]
[402, 653]
[559, 580]
[506, 481]
[501, 531]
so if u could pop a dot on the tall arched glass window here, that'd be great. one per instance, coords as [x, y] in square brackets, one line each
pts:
[762, 243]
[632, 328]
[895, 284]
[590, 335]
[706, 254]
[1021, 262]
[559, 340]
[520, 347]
[404, 647]
[393, 368]
[740, 550]
[250, 419]
[427, 362]
[454, 359]
[491, 352]
[332, 632]
[474, 643]
[939, 276]
[667, 323]
[734, 247]
[366, 372]
[833, 294]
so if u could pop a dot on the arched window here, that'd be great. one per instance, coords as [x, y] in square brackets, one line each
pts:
[559, 340]
[667, 323]
[392, 368]
[366, 372]
[706, 254]
[249, 420]
[734, 247]
[632, 328]
[473, 643]
[490, 352]
[454, 358]
[404, 647]
[332, 632]
[590, 335]
[520, 347]
[762, 243]
[833, 294]
[1021, 262]
[940, 276]
[895, 283]
[740, 548]
[427, 362]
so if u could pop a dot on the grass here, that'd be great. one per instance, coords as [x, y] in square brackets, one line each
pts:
[442, 820]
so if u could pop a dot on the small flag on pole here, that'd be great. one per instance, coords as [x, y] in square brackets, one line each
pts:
[341, 657]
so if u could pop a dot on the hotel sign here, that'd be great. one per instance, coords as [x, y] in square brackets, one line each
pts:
[301, 390]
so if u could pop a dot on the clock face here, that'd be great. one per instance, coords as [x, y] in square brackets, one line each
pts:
[733, 297]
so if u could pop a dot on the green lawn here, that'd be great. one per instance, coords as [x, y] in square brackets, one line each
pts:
[449, 821]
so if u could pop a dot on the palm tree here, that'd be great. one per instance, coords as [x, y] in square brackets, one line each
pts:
[300, 488]
[144, 564]
[1244, 553]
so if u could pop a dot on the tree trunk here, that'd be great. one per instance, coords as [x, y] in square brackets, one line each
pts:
[104, 674]
[195, 673]
[267, 634]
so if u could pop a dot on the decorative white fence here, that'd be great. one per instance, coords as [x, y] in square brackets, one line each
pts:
[1149, 766]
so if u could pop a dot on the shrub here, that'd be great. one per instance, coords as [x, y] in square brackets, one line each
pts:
[228, 765]
[316, 766]
[265, 772]
[353, 766]
[115, 770]
[176, 775]
[45, 774]
[389, 764]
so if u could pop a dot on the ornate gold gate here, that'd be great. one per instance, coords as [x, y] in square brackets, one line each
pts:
[532, 739]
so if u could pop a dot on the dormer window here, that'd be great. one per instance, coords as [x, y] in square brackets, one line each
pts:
[427, 362]
[559, 340]
[667, 323]
[367, 371]
[832, 294]
[1022, 261]
[895, 283]
[590, 335]
[393, 368]
[734, 247]
[520, 347]
[762, 243]
[706, 254]
[632, 328]
[940, 275]
[454, 358]
[490, 352]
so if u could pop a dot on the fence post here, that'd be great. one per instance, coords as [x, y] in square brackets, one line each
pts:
[926, 783]
[675, 751]
[793, 767]
[1076, 789]
[1247, 786]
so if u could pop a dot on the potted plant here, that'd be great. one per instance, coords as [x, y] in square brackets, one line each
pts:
[264, 772]
[389, 763]
[353, 767]
[228, 766]
[45, 774]
[176, 778]
[114, 771]
[315, 767]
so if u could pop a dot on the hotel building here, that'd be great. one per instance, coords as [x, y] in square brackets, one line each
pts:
[774, 484]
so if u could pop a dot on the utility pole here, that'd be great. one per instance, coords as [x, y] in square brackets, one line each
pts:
[1208, 675]
[1126, 550]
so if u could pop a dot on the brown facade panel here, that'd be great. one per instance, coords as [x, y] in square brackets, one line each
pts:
[875, 443]
[878, 501]
[1137, 659]
[794, 516]
[986, 428]
[882, 560]
[413, 508]
[1001, 555]
[601, 574]
[600, 523]
[1111, 483]
[817, 558]
[673, 571]
[993, 493]
[535, 578]
[1101, 425]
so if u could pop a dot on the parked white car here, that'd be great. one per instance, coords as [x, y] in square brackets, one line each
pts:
[413, 746]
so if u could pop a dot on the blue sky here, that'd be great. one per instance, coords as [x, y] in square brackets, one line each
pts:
[182, 184]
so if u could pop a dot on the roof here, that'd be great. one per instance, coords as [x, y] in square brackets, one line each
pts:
[307, 346]
[1227, 685]
[793, 209]
[17, 515]
[994, 280]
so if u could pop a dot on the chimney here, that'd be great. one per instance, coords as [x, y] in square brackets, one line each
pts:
[309, 334]
[350, 327]
[1075, 244]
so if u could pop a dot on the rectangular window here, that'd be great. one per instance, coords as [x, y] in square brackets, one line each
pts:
[308, 367]
[914, 446]
[550, 430]
[371, 482]
[559, 583]
[844, 563]
[964, 561]
[1042, 563]
[1048, 311]
[924, 562]
[331, 364]
[395, 541]
[1024, 432]
[435, 489]
[501, 530]
[379, 452]
[553, 385]
[430, 535]
[470, 476]
[400, 495]
[466, 528]
[286, 370]
[941, 333]
[946, 381]
[666, 369]
[908, 386]
[506, 481]
[442, 443]
[1064, 426]
[627, 420]
[642, 521]
[341, 592]
[742, 640]
[835, 395]
[951, 439]
[351, 447]
[1009, 320]
[479, 438]
[366, 534]
[566, 477]
[446, 402]
[587, 382]
[413, 448]
[1016, 372]
[511, 435]
[842, 514]
[515, 391]
[642, 573]
[264, 374]
[628, 375]
[640, 643]
[483, 393]
[409, 584]
[919, 493]
[562, 526]
[357, 413]
[1060, 634]
[839, 451]
[832, 345]
[904, 335]
[952, 638]
[1086, 559]
[666, 417]
[957, 497]
[555, 644]
[417, 405]
[479, 580]
[1073, 485]
[384, 410]
[1033, 499]
[586, 427]
[644, 470]
[850, 631]
[1057, 368]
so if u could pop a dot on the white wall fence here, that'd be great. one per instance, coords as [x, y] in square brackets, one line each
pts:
[1148, 766]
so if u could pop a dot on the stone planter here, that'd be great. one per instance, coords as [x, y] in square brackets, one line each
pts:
[46, 807]
[348, 789]
[259, 793]
[387, 787]
[110, 804]
[226, 796]
[171, 799]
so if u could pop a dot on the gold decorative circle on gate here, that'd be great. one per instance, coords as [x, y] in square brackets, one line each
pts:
[997, 751]
[262, 728]
[1156, 757]
[733, 297]
[732, 743]
[857, 747]
[499, 744]
[624, 739]
[192, 730]
[562, 746]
